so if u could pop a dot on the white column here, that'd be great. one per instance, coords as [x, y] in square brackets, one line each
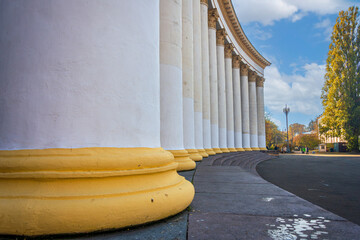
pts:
[220, 38]
[205, 78]
[229, 98]
[171, 102]
[245, 107]
[79, 132]
[214, 111]
[261, 112]
[198, 116]
[188, 79]
[237, 103]
[253, 112]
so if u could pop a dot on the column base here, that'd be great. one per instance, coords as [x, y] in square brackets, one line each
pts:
[240, 149]
[210, 151]
[255, 149]
[194, 154]
[225, 150]
[263, 149]
[247, 149]
[232, 150]
[217, 150]
[182, 157]
[203, 153]
[58, 191]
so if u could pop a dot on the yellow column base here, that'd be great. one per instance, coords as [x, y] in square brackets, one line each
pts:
[194, 154]
[182, 157]
[232, 150]
[210, 151]
[56, 191]
[247, 149]
[240, 149]
[255, 149]
[263, 149]
[203, 152]
[225, 150]
[217, 150]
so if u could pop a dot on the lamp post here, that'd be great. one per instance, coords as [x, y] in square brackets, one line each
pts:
[286, 110]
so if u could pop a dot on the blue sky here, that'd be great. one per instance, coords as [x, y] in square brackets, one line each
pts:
[294, 35]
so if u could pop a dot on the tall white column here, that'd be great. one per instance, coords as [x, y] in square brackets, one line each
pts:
[80, 136]
[220, 38]
[229, 98]
[171, 102]
[261, 112]
[254, 145]
[244, 70]
[188, 79]
[205, 78]
[214, 111]
[198, 116]
[237, 103]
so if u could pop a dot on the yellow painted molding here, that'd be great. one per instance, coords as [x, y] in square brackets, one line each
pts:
[54, 191]
[217, 150]
[255, 149]
[203, 152]
[182, 157]
[263, 149]
[247, 149]
[225, 150]
[240, 149]
[232, 150]
[194, 154]
[210, 151]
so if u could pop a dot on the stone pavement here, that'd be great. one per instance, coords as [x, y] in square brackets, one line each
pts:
[233, 202]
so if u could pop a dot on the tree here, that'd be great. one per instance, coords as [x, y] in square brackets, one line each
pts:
[274, 137]
[341, 91]
[295, 129]
[307, 140]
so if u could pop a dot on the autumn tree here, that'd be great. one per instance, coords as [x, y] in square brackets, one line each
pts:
[295, 129]
[341, 91]
[274, 137]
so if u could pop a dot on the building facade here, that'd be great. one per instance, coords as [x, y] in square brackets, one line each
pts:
[102, 102]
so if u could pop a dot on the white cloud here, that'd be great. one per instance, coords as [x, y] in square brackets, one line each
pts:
[300, 91]
[258, 32]
[326, 26]
[268, 11]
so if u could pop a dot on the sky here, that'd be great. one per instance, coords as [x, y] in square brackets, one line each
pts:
[294, 35]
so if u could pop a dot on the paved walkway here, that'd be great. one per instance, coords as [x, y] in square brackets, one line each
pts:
[233, 202]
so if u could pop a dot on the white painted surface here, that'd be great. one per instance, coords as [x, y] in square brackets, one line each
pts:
[245, 111]
[197, 75]
[229, 103]
[171, 101]
[221, 96]
[237, 108]
[188, 74]
[261, 117]
[70, 74]
[205, 77]
[213, 89]
[253, 116]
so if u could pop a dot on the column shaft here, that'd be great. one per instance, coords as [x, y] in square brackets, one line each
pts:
[171, 101]
[261, 112]
[75, 127]
[188, 79]
[253, 112]
[229, 98]
[245, 107]
[214, 112]
[237, 104]
[198, 116]
[220, 37]
[205, 78]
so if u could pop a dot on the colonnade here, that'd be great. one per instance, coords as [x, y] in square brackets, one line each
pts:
[89, 140]
[222, 95]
